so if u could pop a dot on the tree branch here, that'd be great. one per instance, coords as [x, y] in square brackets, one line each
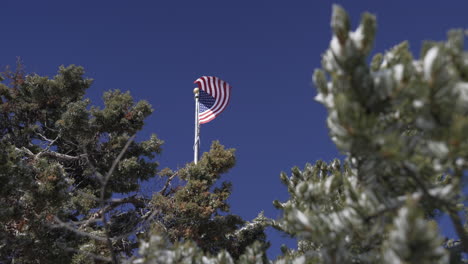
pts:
[138, 202]
[457, 223]
[48, 153]
[454, 217]
[104, 182]
[60, 156]
[168, 182]
[89, 254]
[51, 141]
[60, 223]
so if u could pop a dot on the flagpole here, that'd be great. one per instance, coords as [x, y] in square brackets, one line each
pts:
[196, 144]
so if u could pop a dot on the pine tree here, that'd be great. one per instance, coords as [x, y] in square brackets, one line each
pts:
[198, 210]
[193, 223]
[61, 163]
[402, 124]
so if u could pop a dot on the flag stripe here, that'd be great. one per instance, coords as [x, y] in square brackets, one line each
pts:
[219, 90]
[221, 104]
[214, 87]
[218, 106]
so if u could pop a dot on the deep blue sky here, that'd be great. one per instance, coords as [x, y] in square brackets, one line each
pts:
[266, 50]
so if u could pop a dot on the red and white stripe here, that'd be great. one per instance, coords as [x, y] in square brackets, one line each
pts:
[218, 89]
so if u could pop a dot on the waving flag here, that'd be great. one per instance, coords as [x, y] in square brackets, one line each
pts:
[213, 98]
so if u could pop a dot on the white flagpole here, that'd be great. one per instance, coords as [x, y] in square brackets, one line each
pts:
[196, 144]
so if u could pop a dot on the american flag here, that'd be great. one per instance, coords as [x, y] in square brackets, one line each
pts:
[214, 95]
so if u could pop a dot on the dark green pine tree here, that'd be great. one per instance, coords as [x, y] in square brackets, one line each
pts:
[61, 161]
[193, 223]
[198, 211]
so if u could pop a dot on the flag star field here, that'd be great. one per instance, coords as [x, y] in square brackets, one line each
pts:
[206, 101]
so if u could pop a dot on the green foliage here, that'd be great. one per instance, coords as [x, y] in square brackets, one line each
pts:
[412, 239]
[199, 211]
[54, 151]
[402, 124]
[158, 250]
